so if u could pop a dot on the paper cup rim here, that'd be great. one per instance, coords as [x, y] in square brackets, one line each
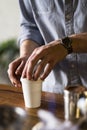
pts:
[23, 79]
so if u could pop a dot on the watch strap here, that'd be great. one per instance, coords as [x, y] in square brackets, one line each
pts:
[67, 43]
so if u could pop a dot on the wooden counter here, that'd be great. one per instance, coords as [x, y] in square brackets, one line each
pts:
[51, 102]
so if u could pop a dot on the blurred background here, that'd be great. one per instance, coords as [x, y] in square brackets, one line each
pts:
[9, 19]
[9, 31]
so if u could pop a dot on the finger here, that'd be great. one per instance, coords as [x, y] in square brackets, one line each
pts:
[20, 68]
[15, 79]
[16, 83]
[24, 75]
[31, 63]
[47, 70]
[39, 69]
[29, 68]
[14, 65]
[11, 72]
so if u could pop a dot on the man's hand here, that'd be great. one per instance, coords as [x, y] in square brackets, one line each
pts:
[16, 67]
[43, 59]
[15, 70]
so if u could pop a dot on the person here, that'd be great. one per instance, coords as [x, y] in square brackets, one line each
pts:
[54, 36]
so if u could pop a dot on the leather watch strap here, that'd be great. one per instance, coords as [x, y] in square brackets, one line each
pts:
[67, 43]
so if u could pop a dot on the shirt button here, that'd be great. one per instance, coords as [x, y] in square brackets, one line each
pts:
[68, 17]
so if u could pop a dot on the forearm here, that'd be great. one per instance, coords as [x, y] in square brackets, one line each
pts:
[27, 47]
[79, 43]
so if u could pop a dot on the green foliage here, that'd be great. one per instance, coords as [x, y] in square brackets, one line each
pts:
[8, 52]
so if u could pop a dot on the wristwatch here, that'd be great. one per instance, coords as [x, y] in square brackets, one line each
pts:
[67, 43]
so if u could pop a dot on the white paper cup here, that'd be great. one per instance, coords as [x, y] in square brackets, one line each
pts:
[31, 92]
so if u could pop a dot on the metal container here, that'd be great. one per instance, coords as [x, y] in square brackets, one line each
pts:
[71, 97]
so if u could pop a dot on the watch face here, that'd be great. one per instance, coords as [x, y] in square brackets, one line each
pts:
[67, 41]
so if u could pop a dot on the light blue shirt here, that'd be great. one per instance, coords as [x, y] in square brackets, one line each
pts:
[46, 20]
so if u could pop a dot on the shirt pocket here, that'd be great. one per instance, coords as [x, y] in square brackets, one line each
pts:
[43, 6]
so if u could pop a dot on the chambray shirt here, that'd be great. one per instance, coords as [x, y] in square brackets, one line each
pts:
[46, 20]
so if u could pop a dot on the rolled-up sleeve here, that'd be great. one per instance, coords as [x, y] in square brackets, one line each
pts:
[28, 27]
